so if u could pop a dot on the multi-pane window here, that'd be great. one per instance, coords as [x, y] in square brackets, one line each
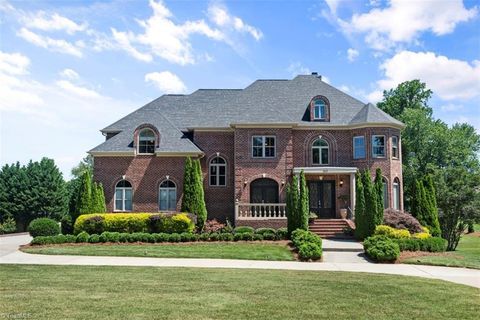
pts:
[263, 147]
[123, 196]
[359, 147]
[396, 194]
[146, 141]
[319, 109]
[378, 146]
[167, 196]
[218, 172]
[395, 147]
[320, 152]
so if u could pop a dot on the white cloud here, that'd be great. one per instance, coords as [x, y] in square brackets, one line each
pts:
[448, 78]
[296, 68]
[77, 90]
[52, 22]
[69, 74]
[124, 39]
[403, 21]
[452, 107]
[221, 17]
[166, 82]
[344, 88]
[13, 63]
[56, 45]
[352, 54]
[333, 5]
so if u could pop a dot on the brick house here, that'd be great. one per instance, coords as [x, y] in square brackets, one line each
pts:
[250, 142]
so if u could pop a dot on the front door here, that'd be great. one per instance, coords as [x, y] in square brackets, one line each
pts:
[322, 198]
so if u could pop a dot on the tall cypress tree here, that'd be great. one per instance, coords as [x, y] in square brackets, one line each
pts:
[379, 192]
[102, 206]
[201, 208]
[431, 203]
[360, 219]
[188, 199]
[84, 203]
[370, 202]
[303, 204]
[292, 205]
[417, 204]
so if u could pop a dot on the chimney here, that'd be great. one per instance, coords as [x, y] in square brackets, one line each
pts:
[316, 75]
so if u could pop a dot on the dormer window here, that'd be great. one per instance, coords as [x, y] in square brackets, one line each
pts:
[146, 141]
[319, 109]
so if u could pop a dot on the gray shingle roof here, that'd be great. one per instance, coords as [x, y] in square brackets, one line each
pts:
[264, 101]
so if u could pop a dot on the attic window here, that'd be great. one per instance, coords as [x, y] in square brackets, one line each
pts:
[319, 109]
[146, 141]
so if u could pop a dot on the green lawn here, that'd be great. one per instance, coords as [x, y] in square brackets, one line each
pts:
[88, 292]
[467, 255]
[220, 250]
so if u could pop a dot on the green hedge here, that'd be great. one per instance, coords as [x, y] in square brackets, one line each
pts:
[133, 222]
[308, 244]
[43, 227]
[432, 244]
[381, 248]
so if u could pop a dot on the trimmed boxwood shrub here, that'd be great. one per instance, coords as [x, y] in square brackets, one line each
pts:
[243, 229]
[282, 233]
[82, 237]
[391, 232]
[94, 225]
[262, 231]
[300, 236]
[269, 236]
[238, 236]
[43, 227]
[226, 237]
[432, 244]
[309, 251]
[188, 237]
[381, 248]
[257, 237]
[204, 237]
[174, 237]
[213, 236]
[247, 236]
[94, 238]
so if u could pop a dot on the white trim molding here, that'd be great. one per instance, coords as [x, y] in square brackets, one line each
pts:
[325, 170]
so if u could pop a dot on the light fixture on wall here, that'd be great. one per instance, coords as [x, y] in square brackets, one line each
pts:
[264, 175]
[245, 182]
[341, 183]
[123, 177]
[168, 177]
[218, 154]
[320, 178]
[283, 182]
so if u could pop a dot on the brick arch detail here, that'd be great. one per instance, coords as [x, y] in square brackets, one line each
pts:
[146, 126]
[311, 106]
[332, 144]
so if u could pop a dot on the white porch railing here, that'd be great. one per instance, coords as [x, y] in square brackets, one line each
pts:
[260, 211]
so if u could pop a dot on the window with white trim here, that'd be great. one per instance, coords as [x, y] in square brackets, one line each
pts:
[395, 147]
[319, 109]
[396, 194]
[263, 146]
[320, 152]
[359, 147]
[146, 141]
[218, 172]
[167, 196]
[123, 196]
[378, 146]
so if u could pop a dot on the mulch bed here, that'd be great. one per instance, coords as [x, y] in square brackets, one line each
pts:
[413, 254]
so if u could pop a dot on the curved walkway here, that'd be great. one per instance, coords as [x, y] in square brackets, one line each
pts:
[9, 254]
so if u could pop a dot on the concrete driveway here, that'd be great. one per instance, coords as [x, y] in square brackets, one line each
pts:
[9, 254]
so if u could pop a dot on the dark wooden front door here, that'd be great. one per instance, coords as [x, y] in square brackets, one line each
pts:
[264, 191]
[322, 198]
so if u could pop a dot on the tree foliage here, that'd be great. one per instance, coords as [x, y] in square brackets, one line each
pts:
[193, 200]
[303, 204]
[378, 219]
[293, 200]
[361, 228]
[370, 201]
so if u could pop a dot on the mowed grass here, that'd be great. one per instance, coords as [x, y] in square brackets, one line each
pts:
[214, 250]
[88, 292]
[467, 255]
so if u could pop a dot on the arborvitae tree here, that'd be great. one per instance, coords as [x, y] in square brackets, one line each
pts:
[379, 191]
[303, 204]
[97, 199]
[188, 200]
[15, 201]
[433, 222]
[360, 219]
[201, 208]
[370, 201]
[417, 209]
[292, 205]
[84, 202]
[102, 206]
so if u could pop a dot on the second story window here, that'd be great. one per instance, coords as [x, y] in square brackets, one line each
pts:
[218, 172]
[146, 141]
[359, 147]
[395, 147]
[320, 152]
[319, 110]
[378, 146]
[263, 147]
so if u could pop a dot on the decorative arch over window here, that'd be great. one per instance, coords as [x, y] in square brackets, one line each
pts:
[396, 194]
[123, 196]
[385, 193]
[319, 109]
[146, 138]
[167, 196]
[320, 151]
[218, 172]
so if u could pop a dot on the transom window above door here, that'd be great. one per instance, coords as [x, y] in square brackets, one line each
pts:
[320, 151]
[263, 146]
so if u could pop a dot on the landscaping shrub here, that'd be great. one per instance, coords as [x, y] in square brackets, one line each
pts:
[309, 251]
[8, 226]
[411, 244]
[82, 237]
[94, 238]
[381, 248]
[94, 225]
[174, 237]
[204, 237]
[43, 227]
[179, 223]
[156, 222]
[269, 236]
[41, 240]
[70, 238]
[401, 220]
[188, 237]
[257, 237]
[422, 235]
[262, 231]
[243, 229]
[238, 236]
[214, 236]
[432, 244]
[300, 236]
[123, 237]
[391, 232]
[226, 237]
[282, 234]
[247, 236]
[161, 237]
[213, 226]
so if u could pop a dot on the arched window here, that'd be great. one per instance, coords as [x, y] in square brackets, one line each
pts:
[385, 193]
[264, 190]
[123, 196]
[218, 172]
[396, 194]
[167, 196]
[320, 152]
[319, 109]
[146, 141]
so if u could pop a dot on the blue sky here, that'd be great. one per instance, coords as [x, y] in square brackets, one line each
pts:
[70, 68]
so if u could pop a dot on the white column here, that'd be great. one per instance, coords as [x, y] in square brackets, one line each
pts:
[352, 192]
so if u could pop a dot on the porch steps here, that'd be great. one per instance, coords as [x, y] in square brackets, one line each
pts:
[331, 228]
